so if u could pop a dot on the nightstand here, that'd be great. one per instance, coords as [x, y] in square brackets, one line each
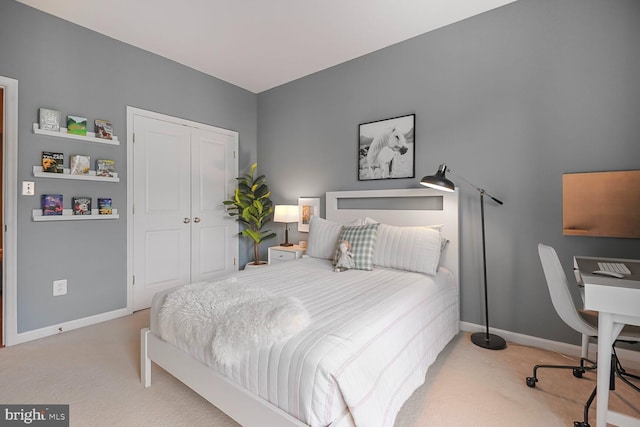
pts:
[284, 253]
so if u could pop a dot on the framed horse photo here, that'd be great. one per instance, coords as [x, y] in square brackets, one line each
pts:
[386, 149]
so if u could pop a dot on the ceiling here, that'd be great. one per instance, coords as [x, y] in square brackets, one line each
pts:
[261, 44]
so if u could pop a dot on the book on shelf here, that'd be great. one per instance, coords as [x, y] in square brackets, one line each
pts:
[79, 164]
[52, 162]
[77, 125]
[81, 205]
[105, 167]
[103, 129]
[104, 206]
[51, 204]
[49, 119]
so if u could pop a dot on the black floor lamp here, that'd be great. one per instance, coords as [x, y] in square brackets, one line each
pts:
[440, 182]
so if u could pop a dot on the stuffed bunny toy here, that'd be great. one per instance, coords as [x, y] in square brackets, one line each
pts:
[345, 259]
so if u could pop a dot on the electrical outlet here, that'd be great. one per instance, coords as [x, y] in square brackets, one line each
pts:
[59, 287]
[28, 188]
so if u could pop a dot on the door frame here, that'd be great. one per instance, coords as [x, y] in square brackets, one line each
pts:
[134, 111]
[9, 206]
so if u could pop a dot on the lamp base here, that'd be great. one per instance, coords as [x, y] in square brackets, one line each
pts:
[286, 244]
[494, 342]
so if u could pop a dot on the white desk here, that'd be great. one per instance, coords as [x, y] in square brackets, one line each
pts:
[618, 303]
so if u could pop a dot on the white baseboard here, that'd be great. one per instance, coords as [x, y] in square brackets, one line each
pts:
[629, 358]
[68, 326]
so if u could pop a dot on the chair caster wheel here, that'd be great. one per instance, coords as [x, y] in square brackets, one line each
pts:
[531, 381]
[581, 424]
[578, 373]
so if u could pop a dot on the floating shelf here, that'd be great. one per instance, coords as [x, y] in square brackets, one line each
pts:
[67, 215]
[91, 136]
[91, 176]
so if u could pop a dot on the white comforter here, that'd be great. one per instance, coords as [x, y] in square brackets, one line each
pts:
[372, 336]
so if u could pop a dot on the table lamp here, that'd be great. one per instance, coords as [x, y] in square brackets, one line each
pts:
[286, 214]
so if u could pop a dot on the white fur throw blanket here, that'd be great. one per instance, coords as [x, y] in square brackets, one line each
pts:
[229, 318]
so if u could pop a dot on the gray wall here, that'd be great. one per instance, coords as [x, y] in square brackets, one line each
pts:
[77, 71]
[510, 100]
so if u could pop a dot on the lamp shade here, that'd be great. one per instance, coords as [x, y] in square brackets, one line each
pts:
[439, 181]
[286, 213]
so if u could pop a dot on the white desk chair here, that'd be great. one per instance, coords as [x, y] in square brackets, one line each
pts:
[584, 322]
[586, 339]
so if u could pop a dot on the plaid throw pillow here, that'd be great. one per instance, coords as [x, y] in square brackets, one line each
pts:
[362, 239]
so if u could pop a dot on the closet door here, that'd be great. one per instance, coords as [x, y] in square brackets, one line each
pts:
[162, 208]
[182, 233]
[212, 180]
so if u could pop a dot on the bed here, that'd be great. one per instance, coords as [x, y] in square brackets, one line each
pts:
[371, 334]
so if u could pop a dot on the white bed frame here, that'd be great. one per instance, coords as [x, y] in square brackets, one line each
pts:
[247, 408]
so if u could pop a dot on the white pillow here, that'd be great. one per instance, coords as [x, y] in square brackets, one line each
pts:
[408, 248]
[443, 243]
[323, 238]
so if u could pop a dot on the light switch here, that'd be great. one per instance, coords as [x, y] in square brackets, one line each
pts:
[28, 188]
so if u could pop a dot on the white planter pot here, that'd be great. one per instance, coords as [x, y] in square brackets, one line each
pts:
[252, 265]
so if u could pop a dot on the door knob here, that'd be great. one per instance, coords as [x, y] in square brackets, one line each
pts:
[186, 220]
[196, 220]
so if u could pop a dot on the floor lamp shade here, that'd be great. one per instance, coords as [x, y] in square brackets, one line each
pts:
[286, 214]
[439, 181]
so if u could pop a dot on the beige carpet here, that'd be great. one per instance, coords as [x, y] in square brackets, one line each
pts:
[95, 370]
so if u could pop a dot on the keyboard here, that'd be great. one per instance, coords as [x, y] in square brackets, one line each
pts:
[615, 267]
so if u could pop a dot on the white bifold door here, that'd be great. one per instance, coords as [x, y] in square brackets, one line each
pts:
[182, 233]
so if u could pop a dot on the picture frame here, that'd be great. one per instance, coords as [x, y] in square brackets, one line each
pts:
[103, 129]
[50, 119]
[76, 125]
[309, 206]
[386, 148]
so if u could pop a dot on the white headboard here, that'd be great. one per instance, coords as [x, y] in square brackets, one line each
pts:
[413, 207]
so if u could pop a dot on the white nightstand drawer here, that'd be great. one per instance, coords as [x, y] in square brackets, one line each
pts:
[282, 256]
[284, 253]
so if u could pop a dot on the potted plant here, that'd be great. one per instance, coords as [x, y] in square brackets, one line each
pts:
[252, 207]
